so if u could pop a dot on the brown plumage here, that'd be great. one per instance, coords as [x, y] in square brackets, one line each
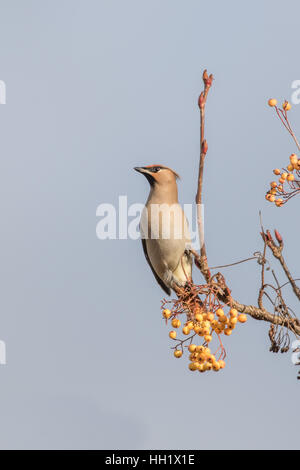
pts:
[164, 229]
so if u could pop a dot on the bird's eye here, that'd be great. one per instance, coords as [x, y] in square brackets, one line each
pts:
[155, 169]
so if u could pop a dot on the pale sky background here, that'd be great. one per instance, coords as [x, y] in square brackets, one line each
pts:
[95, 88]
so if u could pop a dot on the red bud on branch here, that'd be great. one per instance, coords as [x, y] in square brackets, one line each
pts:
[278, 236]
[204, 147]
[207, 79]
[269, 236]
[201, 100]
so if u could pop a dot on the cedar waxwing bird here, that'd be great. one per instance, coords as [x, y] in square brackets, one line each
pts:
[164, 230]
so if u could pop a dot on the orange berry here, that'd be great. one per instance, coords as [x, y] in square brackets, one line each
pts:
[272, 102]
[242, 318]
[177, 353]
[233, 320]
[290, 167]
[228, 331]
[221, 364]
[279, 202]
[176, 323]
[172, 334]
[197, 329]
[286, 106]
[233, 312]
[193, 366]
[291, 177]
[281, 180]
[276, 171]
[220, 312]
[216, 366]
[208, 338]
[186, 330]
[273, 184]
[192, 348]
[190, 325]
[284, 176]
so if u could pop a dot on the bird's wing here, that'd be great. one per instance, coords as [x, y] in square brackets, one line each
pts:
[160, 282]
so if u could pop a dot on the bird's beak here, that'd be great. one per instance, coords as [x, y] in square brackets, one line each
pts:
[140, 169]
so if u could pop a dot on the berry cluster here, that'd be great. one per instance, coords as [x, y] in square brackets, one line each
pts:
[202, 359]
[204, 324]
[278, 192]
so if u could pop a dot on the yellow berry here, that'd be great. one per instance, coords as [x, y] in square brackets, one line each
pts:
[172, 334]
[272, 102]
[177, 353]
[210, 317]
[286, 106]
[221, 364]
[193, 366]
[167, 313]
[176, 323]
[211, 359]
[223, 319]
[233, 320]
[273, 184]
[220, 312]
[284, 176]
[198, 317]
[186, 330]
[208, 338]
[290, 167]
[293, 159]
[233, 312]
[291, 177]
[242, 318]
[228, 331]
[190, 325]
[216, 366]
[192, 348]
